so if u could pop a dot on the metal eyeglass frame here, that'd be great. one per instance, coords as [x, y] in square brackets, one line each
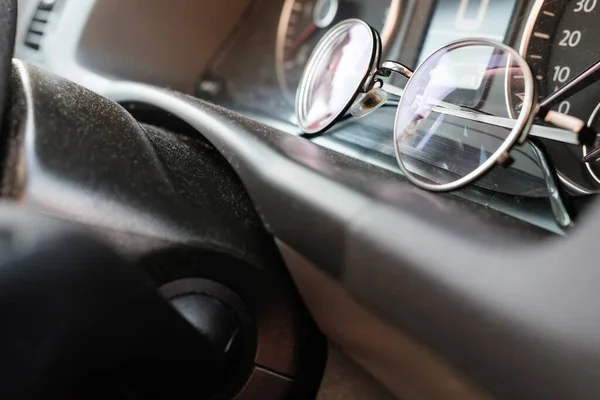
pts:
[521, 127]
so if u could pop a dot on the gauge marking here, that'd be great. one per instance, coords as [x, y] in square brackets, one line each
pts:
[548, 23]
[536, 56]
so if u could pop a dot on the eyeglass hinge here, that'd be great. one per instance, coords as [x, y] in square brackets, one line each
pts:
[387, 67]
[505, 160]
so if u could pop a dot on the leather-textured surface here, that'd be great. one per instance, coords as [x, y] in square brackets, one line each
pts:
[89, 160]
[82, 157]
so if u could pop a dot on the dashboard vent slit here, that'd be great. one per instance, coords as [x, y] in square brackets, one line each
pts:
[38, 24]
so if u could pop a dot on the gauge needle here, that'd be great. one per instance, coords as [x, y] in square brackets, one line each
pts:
[580, 82]
[306, 33]
[592, 155]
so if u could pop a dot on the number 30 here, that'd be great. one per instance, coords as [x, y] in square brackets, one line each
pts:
[586, 5]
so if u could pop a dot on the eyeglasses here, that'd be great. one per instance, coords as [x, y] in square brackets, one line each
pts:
[461, 112]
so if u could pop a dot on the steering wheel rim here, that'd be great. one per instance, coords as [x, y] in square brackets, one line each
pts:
[8, 25]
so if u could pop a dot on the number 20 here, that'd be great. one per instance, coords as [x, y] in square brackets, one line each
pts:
[570, 38]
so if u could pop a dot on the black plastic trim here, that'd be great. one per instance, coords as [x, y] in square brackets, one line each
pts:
[170, 202]
[516, 314]
[512, 307]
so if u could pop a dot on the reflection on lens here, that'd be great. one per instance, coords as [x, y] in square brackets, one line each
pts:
[338, 67]
[443, 132]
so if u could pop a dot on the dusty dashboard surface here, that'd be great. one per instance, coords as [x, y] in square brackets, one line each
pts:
[252, 60]
[258, 72]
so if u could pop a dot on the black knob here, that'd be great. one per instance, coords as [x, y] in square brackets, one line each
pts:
[215, 321]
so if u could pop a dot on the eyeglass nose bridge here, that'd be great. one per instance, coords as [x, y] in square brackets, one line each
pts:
[388, 67]
[375, 96]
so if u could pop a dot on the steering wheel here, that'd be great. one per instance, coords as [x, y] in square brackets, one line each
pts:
[78, 320]
[82, 320]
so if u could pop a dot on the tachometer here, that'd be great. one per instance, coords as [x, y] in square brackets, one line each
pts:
[303, 23]
[560, 41]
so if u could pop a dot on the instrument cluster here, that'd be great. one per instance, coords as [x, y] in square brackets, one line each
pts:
[258, 71]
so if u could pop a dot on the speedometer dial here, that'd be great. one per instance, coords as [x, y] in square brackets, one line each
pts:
[304, 22]
[561, 40]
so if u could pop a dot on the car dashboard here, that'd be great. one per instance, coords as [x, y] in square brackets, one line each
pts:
[251, 62]
[490, 257]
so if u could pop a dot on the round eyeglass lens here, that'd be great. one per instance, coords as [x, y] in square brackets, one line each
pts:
[446, 132]
[335, 74]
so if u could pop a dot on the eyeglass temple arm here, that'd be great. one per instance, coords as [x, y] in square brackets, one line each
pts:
[557, 134]
[585, 135]
[556, 196]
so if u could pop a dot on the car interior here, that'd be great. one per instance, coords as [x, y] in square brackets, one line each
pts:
[170, 229]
